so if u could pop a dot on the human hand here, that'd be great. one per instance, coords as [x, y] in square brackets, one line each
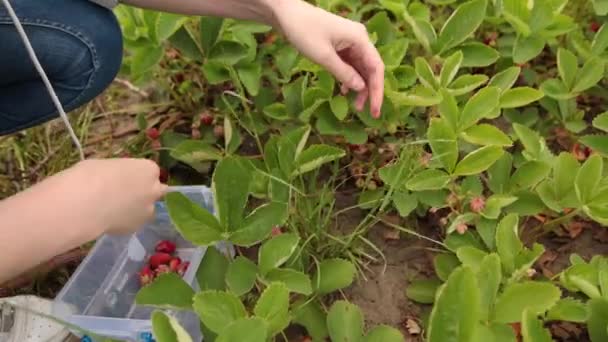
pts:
[121, 192]
[340, 45]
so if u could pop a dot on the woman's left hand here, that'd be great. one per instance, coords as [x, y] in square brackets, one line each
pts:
[340, 45]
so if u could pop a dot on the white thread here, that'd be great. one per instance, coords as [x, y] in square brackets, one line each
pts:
[45, 79]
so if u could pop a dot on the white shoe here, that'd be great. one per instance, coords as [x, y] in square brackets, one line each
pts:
[19, 321]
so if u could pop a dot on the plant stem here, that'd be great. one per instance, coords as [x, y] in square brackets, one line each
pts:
[548, 226]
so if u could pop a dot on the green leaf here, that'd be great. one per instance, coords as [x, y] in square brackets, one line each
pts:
[167, 329]
[384, 333]
[461, 24]
[444, 264]
[422, 29]
[210, 28]
[567, 65]
[470, 256]
[251, 329]
[345, 322]
[600, 41]
[339, 106]
[505, 79]
[588, 178]
[315, 156]
[392, 53]
[495, 203]
[555, 89]
[194, 223]
[258, 225]
[332, 275]
[404, 202]
[489, 278]
[478, 106]
[591, 73]
[251, 77]
[443, 143]
[601, 121]
[296, 281]
[499, 174]
[478, 161]
[277, 111]
[273, 306]
[450, 68]
[423, 290]
[534, 296]
[428, 180]
[195, 153]
[145, 58]
[218, 309]
[425, 73]
[568, 309]
[382, 26]
[448, 109]
[598, 143]
[519, 97]
[418, 97]
[466, 84]
[447, 323]
[486, 134]
[230, 186]
[228, 52]
[277, 251]
[532, 329]
[216, 72]
[528, 175]
[495, 332]
[508, 244]
[534, 145]
[166, 291]
[598, 319]
[564, 170]
[478, 55]
[310, 316]
[527, 48]
[167, 24]
[212, 271]
[240, 276]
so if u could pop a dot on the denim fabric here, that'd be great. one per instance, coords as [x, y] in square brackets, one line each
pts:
[78, 43]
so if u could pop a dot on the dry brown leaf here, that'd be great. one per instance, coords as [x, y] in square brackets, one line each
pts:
[413, 328]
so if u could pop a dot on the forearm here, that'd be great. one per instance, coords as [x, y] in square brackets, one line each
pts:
[40, 223]
[262, 11]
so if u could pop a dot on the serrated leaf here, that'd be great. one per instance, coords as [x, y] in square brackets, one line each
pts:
[567, 65]
[489, 278]
[277, 111]
[600, 41]
[444, 264]
[486, 134]
[534, 296]
[384, 333]
[345, 322]
[310, 316]
[478, 106]
[601, 121]
[423, 290]
[478, 55]
[527, 48]
[505, 79]
[508, 244]
[588, 178]
[478, 160]
[555, 89]
[167, 329]
[332, 275]
[258, 225]
[145, 58]
[273, 306]
[532, 329]
[404, 202]
[448, 109]
[443, 143]
[210, 28]
[461, 24]
[251, 77]
[428, 180]
[466, 84]
[500, 173]
[598, 143]
[598, 319]
[471, 257]
[495, 203]
[194, 223]
[195, 153]
[212, 270]
[450, 68]
[591, 73]
[228, 52]
[425, 73]
[519, 97]
[528, 175]
[241, 275]
[250, 329]
[419, 97]
[447, 323]
[166, 291]
[216, 72]
[315, 156]
[277, 251]
[296, 281]
[339, 106]
[393, 53]
[230, 185]
[568, 309]
[167, 24]
[218, 309]
[564, 170]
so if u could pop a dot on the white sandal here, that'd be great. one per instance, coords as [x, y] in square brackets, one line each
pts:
[19, 321]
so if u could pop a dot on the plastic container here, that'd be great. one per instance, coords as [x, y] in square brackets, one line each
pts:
[100, 295]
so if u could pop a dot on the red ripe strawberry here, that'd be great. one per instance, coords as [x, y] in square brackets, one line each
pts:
[183, 267]
[174, 264]
[276, 230]
[206, 119]
[146, 276]
[165, 246]
[477, 204]
[153, 133]
[594, 26]
[159, 259]
[162, 269]
[163, 177]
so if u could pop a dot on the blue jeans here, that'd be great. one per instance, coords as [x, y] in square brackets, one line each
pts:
[78, 43]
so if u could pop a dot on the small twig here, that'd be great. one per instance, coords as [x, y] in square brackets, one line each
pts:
[131, 87]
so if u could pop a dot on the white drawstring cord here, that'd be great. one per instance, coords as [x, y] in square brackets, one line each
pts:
[45, 79]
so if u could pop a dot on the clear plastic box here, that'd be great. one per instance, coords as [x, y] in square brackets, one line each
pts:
[99, 297]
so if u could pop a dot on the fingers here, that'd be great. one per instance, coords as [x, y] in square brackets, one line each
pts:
[350, 78]
[374, 68]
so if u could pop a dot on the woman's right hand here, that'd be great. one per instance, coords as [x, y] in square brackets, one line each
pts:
[119, 194]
